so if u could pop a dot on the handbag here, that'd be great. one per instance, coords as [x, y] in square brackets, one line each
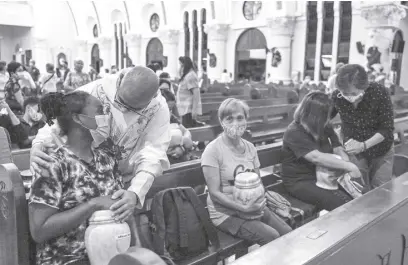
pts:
[353, 188]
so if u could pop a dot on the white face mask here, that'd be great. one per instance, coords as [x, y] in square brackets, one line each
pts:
[102, 131]
[34, 115]
[351, 99]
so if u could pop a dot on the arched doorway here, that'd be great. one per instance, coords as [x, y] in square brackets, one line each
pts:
[250, 55]
[95, 58]
[397, 53]
[154, 52]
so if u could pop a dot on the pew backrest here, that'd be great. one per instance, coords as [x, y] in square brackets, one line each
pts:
[14, 227]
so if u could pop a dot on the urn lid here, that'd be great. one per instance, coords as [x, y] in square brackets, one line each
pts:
[247, 180]
[105, 216]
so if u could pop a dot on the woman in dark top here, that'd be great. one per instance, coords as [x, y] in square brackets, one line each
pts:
[308, 142]
[367, 116]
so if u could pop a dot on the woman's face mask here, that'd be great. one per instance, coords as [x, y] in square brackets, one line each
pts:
[351, 99]
[34, 115]
[234, 126]
[102, 131]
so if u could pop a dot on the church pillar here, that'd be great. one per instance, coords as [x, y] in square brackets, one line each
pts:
[133, 41]
[383, 21]
[282, 29]
[41, 54]
[169, 38]
[217, 37]
[105, 50]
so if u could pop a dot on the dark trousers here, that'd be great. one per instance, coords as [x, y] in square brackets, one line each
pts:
[188, 121]
[308, 192]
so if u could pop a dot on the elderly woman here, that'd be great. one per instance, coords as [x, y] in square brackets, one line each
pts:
[367, 117]
[77, 78]
[308, 143]
[222, 159]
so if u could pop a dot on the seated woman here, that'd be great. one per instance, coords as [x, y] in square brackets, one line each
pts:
[80, 180]
[222, 159]
[181, 143]
[308, 142]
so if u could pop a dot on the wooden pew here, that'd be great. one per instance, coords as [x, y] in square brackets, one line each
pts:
[369, 230]
[213, 106]
[184, 174]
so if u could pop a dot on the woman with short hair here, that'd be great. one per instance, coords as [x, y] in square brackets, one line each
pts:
[308, 143]
[224, 158]
[367, 116]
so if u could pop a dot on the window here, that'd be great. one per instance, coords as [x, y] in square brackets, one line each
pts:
[186, 35]
[195, 38]
[95, 31]
[204, 44]
[345, 32]
[327, 40]
[252, 9]
[116, 45]
[154, 22]
[279, 5]
[311, 39]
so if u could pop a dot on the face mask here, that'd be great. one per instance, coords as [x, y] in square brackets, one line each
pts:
[351, 99]
[34, 115]
[234, 130]
[102, 131]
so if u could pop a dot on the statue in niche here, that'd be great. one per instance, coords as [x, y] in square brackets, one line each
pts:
[373, 57]
[276, 57]
[213, 60]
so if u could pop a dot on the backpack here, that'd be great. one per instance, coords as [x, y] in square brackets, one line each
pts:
[280, 206]
[181, 226]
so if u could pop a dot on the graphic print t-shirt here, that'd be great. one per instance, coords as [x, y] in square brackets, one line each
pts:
[229, 163]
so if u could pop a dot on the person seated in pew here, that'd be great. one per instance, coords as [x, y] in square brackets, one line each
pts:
[309, 142]
[222, 159]
[181, 143]
[13, 125]
[31, 121]
[139, 127]
[367, 116]
[82, 177]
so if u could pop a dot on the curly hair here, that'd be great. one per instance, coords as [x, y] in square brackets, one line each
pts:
[61, 107]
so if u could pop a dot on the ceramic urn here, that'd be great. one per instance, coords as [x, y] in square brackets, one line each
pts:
[105, 238]
[249, 188]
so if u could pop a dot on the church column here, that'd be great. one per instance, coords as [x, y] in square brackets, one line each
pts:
[382, 22]
[105, 50]
[134, 43]
[169, 38]
[217, 37]
[41, 53]
[336, 33]
[82, 52]
[282, 29]
[319, 40]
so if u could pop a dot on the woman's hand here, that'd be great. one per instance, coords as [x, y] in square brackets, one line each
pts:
[354, 147]
[102, 203]
[39, 160]
[254, 206]
[354, 171]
